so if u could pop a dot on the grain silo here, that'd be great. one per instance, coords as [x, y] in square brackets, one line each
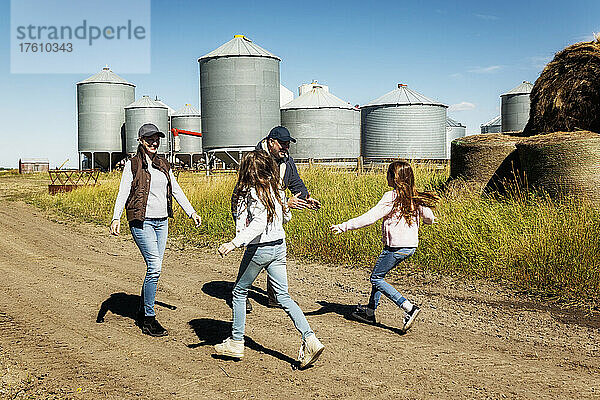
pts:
[307, 87]
[101, 99]
[515, 108]
[285, 95]
[454, 130]
[494, 125]
[239, 85]
[405, 124]
[324, 126]
[145, 111]
[188, 119]
[170, 110]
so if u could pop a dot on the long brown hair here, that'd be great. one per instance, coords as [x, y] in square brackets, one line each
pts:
[258, 170]
[401, 177]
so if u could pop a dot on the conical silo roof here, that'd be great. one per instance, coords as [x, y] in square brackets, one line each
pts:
[170, 110]
[494, 121]
[146, 102]
[317, 98]
[452, 123]
[187, 111]
[403, 96]
[106, 76]
[523, 88]
[240, 45]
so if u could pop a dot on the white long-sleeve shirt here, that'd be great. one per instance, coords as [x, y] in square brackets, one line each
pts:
[156, 207]
[251, 225]
[395, 231]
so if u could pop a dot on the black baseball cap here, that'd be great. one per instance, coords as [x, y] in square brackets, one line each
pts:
[281, 133]
[149, 130]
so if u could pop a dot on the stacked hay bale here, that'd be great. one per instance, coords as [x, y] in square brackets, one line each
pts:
[561, 152]
[563, 164]
[564, 157]
[566, 96]
[485, 161]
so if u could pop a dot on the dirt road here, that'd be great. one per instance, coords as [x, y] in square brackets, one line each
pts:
[472, 340]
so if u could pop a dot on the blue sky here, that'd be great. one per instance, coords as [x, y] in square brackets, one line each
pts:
[462, 53]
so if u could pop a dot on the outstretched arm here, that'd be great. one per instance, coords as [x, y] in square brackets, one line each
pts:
[383, 208]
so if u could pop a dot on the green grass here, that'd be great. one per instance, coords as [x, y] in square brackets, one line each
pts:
[526, 240]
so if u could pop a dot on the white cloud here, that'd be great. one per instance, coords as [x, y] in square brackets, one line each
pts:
[487, 17]
[539, 62]
[486, 70]
[462, 106]
[456, 75]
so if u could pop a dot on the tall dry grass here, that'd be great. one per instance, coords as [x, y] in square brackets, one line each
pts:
[525, 239]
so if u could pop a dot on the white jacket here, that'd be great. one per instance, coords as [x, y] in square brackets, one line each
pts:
[251, 225]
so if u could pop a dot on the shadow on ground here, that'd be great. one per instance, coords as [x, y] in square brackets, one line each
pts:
[212, 331]
[125, 305]
[345, 310]
[222, 290]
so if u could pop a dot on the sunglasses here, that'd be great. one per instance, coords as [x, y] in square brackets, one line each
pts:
[151, 140]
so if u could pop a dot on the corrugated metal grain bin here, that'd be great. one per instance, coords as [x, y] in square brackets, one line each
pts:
[101, 100]
[454, 130]
[494, 125]
[145, 111]
[188, 118]
[406, 124]
[515, 108]
[324, 126]
[239, 85]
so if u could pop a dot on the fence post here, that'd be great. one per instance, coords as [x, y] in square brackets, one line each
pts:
[359, 165]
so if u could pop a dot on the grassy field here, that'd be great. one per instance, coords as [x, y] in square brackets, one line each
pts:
[526, 240]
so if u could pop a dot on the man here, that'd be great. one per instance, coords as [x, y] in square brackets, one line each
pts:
[277, 143]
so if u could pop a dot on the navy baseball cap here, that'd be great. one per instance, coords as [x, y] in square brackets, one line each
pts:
[281, 133]
[149, 130]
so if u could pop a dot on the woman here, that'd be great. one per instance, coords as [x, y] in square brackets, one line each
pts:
[146, 191]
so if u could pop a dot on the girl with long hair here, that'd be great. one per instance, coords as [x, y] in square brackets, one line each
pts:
[402, 210]
[261, 213]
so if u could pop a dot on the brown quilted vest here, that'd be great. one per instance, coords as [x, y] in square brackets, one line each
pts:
[135, 207]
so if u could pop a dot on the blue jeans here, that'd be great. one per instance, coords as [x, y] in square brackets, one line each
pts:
[151, 238]
[272, 258]
[385, 263]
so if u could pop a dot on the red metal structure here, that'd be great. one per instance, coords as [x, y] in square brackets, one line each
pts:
[176, 132]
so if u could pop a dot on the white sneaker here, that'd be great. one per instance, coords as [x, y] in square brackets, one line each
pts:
[409, 318]
[310, 350]
[230, 348]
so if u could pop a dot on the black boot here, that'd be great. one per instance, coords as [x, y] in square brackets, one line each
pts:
[271, 298]
[151, 327]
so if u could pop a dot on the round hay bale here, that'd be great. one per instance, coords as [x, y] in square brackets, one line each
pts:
[566, 96]
[484, 161]
[563, 164]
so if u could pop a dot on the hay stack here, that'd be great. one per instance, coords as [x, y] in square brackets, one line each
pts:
[566, 96]
[563, 163]
[484, 161]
